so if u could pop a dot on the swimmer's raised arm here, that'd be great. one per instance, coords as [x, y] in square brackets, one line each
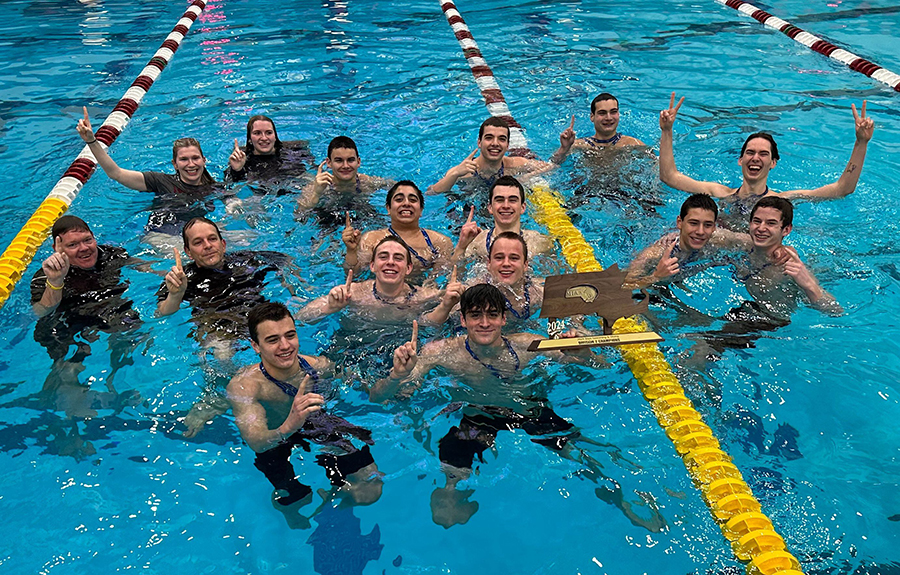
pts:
[668, 173]
[657, 257]
[237, 159]
[846, 183]
[313, 191]
[449, 299]
[176, 285]
[351, 238]
[128, 178]
[408, 370]
[337, 299]
[467, 233]
[465, 169]
[566, 139]
[55, 268]
[250, 415]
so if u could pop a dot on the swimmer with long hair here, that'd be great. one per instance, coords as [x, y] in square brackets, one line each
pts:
[264, 155]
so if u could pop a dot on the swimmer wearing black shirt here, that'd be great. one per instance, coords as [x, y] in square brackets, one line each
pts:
[221, 287]
[265, 156]
[78, 292]
[178, 197]
[277, 406]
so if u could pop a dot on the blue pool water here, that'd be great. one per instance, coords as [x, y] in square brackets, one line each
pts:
[808, 414]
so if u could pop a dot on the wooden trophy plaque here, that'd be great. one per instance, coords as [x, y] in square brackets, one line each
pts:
[593, 293]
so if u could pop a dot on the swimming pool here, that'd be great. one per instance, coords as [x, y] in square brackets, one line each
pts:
[391, 75]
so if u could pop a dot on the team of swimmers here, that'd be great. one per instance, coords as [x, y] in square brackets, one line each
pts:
[488, 289]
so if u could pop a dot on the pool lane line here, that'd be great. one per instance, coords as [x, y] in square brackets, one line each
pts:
[817, 44]
[730, 499]
[21, 250]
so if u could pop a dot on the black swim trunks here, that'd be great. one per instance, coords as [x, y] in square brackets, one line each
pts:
[323, 429]
[479, 427]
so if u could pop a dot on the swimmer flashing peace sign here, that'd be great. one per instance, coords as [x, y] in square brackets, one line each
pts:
[758, 156]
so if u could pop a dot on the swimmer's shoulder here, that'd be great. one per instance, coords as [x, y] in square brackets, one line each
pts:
[627, 141]
[537, 242]
[372, 237]
[246, 383]
[322, 365]
[520, 342]
[372, 183]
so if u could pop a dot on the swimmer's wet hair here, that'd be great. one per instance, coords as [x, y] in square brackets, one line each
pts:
[765, 136]
[193, 222]
[67, 224]
[181, 143]
[482, 297]
[507, 182]
[782, 205]
[510, 236]
[701, 201]
[494, 122]
[396, 240]
[268, 311]
[248, 148]
[408, 183]
[602, 98]
[342, 142]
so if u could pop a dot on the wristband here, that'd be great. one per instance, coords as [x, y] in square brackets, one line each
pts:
[53, 287]
[94, 141]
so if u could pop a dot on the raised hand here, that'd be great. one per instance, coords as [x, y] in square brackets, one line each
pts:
[405, 357]
[304, 405]
[84, 128]
[865, 127]
[339, 296]
[238, 157]
[469, 230]
[350, 235]
[176, 281]
[56, 266]
[668, 265]
[467, 167]
[667, 117]
[794, 267]
[454, 290]
[323, 179]
[782, 254]
[567, 138]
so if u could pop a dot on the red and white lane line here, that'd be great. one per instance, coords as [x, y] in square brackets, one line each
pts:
[484, 78]
[817, 44]
[83, 167]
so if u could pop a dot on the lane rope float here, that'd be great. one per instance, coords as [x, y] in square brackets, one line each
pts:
[817, 44]
[731, 501]
[21, 250]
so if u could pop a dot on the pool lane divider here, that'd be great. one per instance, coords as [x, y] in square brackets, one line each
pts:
[21, 250]
[817, 44]
[731, 501]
